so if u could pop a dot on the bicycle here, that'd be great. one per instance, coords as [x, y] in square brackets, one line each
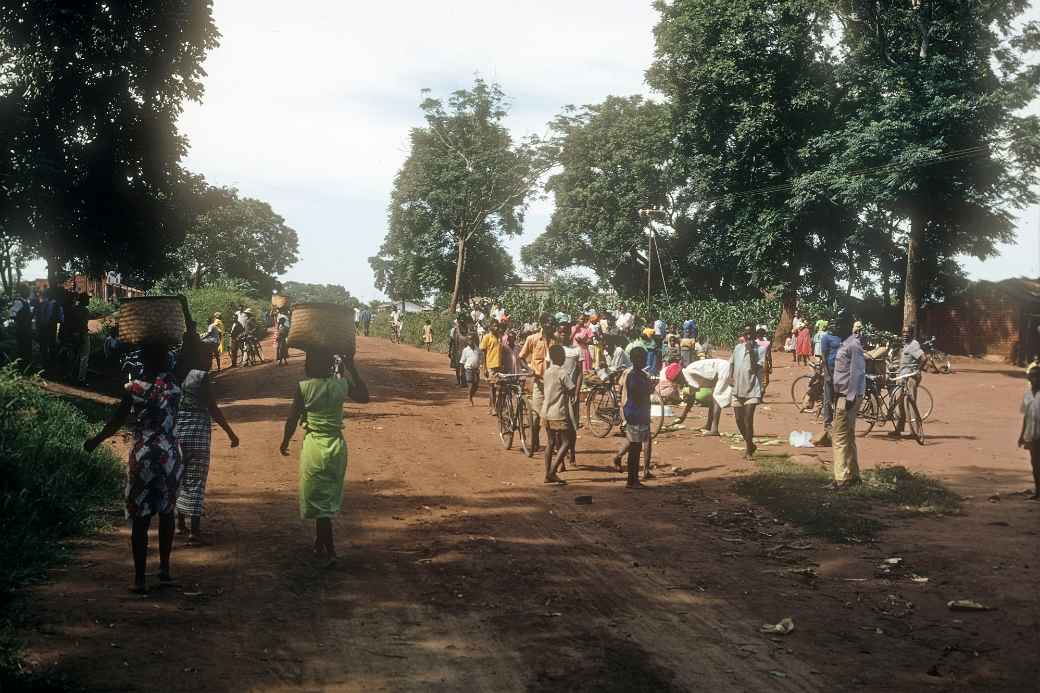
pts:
[603, 408]
[511, 408]
[882, 404]
[254, 352]
[935, 361]
[807, 390]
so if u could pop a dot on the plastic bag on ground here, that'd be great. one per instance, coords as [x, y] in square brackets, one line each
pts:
[800, 439]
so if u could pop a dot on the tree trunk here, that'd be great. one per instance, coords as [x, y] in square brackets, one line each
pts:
[912, 292]
[886, 286]
[196, 277]
[788, 306]
[459, 262]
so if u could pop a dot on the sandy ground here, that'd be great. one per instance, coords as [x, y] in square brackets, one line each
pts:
[461, 571]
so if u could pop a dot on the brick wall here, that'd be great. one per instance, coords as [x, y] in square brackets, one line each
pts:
[982, 323]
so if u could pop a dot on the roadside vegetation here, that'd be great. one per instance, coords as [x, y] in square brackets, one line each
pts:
[800, 494]
[50, 490]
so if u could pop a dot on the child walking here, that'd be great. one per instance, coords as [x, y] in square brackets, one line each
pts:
[1029, 438]
[427, 334]
[557, 414]
[470, 361]
[636, 388]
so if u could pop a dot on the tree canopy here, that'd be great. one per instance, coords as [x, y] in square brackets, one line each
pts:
[90, 94]
[238, 237]
[462, 189]
[805, 146]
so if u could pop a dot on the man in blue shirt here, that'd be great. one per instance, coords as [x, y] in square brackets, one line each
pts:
[849, 383]
[829, 345]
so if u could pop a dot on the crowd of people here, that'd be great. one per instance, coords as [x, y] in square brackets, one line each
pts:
[57, 321]
[653, 364]
[672, 364]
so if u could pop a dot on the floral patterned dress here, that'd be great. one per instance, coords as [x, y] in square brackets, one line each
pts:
[155, 466]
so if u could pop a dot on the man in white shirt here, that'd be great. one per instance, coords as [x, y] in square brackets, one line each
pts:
[714, 374]
[625, 321]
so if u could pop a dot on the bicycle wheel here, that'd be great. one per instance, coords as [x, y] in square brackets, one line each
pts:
[923, 397]
[913, 418]
[867, 416]
[799, 389]
[600, 410]
[522, 423]
[504, 406]
[658, 410]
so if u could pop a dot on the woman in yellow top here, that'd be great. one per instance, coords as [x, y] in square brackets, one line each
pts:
[215, 336]
[318, 403]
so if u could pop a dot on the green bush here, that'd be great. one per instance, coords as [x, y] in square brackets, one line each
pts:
[202, 303]
[50, 488]
[411, 328]
[99, 308]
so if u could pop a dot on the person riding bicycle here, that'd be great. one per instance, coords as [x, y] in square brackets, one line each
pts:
[910, 360]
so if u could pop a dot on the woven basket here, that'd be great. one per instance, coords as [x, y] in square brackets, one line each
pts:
[151, 320]
[280, 301]
[322, 327]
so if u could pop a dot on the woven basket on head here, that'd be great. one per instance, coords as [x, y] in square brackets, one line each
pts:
[151, 320]
[322, 327]
[280, 301]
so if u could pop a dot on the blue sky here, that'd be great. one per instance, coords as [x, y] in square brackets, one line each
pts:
[308, 105]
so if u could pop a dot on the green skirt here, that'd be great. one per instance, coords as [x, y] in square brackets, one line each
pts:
[323, 468]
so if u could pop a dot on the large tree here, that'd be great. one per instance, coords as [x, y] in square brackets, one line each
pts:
[750, 84]
[614, 164]
[464, 186]
[932, 128]
[97, 88]
[237, 237]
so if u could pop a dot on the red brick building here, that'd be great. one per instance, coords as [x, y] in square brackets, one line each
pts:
[996, 319]
[107, 287]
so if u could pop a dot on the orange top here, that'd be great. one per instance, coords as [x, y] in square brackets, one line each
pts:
[535, 352]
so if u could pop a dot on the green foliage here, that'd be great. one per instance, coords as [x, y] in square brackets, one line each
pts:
[100, 308]
[411, 328]
[799, 494]
[50, 488]
[921, 81]
[751, 83]
[299, 292]
[202, 303]
[90, 97]
[615, 160]
[463, 187]
[239, 238]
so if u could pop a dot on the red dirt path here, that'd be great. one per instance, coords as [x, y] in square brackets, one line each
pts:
[460, 571]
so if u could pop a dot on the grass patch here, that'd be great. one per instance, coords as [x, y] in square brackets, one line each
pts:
[50, 490]
[799, 494]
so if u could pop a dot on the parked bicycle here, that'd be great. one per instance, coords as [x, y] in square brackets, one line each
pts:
[603, 408]
[935, 361]
[807, 390]
[883, 401]
[252, 351]
[513, 411]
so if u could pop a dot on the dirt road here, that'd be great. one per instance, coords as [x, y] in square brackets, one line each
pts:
[461, 571]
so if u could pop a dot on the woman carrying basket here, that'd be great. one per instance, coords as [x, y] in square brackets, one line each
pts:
[318, 403]
[155, 465]
[195, 419]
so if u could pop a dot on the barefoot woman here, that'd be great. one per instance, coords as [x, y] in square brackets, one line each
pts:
[155, 466]
[318, 402]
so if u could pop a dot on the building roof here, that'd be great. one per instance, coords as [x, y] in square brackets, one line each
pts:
[1020, 289]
